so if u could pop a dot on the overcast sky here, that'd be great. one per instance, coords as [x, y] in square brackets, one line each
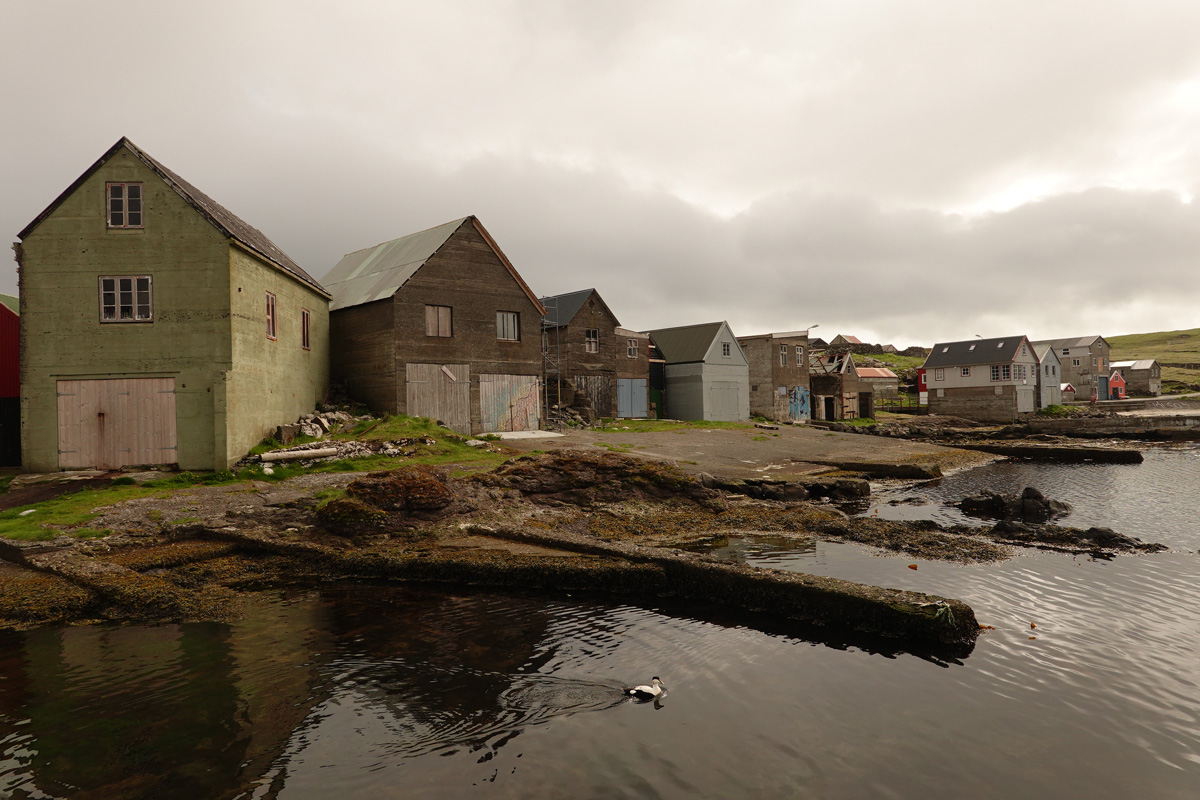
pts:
[906, 172]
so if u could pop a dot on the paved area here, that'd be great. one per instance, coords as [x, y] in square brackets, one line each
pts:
[757, 452]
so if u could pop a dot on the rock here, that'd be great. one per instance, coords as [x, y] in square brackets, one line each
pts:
[417, 490]
[1030, 506]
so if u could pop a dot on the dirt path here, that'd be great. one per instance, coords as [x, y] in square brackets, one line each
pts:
[741, 453]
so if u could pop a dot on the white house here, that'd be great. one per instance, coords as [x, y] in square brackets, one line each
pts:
[1049, 376]
[990, 380]
[707, 373]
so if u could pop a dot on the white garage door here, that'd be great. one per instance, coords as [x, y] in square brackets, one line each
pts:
[107, 424]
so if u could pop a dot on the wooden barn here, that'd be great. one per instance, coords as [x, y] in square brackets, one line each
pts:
[439, 324]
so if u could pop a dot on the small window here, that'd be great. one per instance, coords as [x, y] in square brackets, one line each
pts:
[939, 374]
[591, 340]
[508, 326]
[126, 298]
[305, 318]
[631, 348]
[1074, 362]
[783, 355]
[972, 347]
[1066, 351]
[799, 356]
[124, 205]
[270, 316]
[725, 349]
[1093, 361]
[995, 372]
[438, 321]
[966, 372]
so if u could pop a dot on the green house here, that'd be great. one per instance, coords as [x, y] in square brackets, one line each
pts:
[159, 328]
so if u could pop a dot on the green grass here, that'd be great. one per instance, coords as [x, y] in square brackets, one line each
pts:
[1054, 411]
[896, 360]
[70, 511]
[858, 422]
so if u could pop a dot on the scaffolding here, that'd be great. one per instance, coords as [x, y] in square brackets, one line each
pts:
[551, 365]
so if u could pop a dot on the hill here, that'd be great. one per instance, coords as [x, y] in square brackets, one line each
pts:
[1169, 347]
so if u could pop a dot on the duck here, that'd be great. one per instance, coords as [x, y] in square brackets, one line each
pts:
[643, 692]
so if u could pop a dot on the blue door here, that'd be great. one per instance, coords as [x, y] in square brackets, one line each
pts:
[798, 400]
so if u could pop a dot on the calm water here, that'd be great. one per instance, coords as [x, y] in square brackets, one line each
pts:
[382, 692]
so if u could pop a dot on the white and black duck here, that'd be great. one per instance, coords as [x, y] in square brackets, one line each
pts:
[650, 692]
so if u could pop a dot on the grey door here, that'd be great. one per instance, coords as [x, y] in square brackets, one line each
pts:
[441, 392]
[631, 398]
[724, 401]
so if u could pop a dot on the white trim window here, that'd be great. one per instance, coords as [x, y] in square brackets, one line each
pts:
[271, 319]
[591, 340]
[631, 348]
[966, 372]
[124, 204]
[939, 374]
[783, 355]
[726, 349]
[508, 326]
[126, 298]
[799, 355]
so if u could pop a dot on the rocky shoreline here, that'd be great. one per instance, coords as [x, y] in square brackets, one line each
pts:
[564, 521]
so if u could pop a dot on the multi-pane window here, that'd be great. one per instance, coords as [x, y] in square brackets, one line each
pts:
[270, 315]
[799, 356]
[305, 318]
[438, 321]
[725, 349]
[966, 372]
[124, 205]
[1074, 362]
[1020, 372]
[126, 298]
[995, 372]
[631, 348]
[783, 355]
[939, 374]
[508, 326]
[591, 340]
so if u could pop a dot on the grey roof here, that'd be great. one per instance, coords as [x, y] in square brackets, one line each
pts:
[1042, 350]
[1145, 363]
[686, 344]
[565, 306]
[1070, 341]
[224, 220]
[377, 272]
[974, 351]
[11, 303]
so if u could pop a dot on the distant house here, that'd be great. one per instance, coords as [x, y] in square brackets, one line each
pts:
[1085, 362]
[841, 341]
[1141, 377]
[1068, 392]
[989, 380]
[592, 355]
[888, 348]
[439, 324]
[880, 381]
[1049, 376]
[157, 327]
[10, 381]
[836, 390]
[1116, 386]
[779, 387]
[707, 375]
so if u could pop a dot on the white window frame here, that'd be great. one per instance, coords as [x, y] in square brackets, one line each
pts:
[631, 348]
[272, 317]
[134, 292]
[591, 340]
[508, 326]
[726, 350]
[783, 355]
[939, 374]
[799, 355]
[966, 372]
[118, 200]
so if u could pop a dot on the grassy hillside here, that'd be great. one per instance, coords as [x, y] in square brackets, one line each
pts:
[1179, 347]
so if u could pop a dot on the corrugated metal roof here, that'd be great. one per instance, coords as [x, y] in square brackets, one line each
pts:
[1070, 341]
[224, 220]
[565, 306]
[1145, 363]
[974, 351]
[686, 344]
[876, 372]
[11, 303]
[374, 273]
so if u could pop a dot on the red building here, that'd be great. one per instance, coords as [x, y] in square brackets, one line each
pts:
[1116, 386]
[10, 382]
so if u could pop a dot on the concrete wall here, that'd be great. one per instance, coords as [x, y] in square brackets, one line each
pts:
[985, 404]
[767, 374]
[272, 382]
[188, 339]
